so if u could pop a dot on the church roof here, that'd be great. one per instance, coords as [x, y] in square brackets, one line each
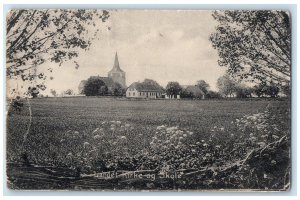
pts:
[116, 67]
[141, 87]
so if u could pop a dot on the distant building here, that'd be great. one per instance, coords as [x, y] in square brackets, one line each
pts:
[115, 75]
[169, 96]
[141, 90]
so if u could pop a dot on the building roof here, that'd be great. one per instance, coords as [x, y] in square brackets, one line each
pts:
[142, 87]
[193, 89]
[116, 67]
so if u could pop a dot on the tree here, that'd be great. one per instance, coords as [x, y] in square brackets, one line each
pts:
[254, 45]
[272, 90]
[213, 95]
[173, 89]
[243, 92]
[53, 92]
[186, 94]
[103, 90]
[69, 92]
[203, 86]
[93, 87]
[227, 85]
[269, 89]
[117, 90]
[33, 92]
[152, 84]
[286, 90]
[34, 37]
[192, 92]
[260, 89]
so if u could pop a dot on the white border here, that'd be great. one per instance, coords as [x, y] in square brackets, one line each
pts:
[146, 3]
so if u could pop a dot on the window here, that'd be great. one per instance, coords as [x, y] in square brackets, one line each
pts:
[133, 94]
[128, 93]
[140, 93]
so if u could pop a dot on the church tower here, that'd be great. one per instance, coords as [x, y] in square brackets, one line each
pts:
[116, 73]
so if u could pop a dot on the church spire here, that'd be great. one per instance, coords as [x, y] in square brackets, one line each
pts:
[116, 64]
[116, 73]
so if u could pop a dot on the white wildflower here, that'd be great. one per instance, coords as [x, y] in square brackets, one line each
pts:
[123, 137]
[86, 144]
[95, 130]
[275, 137]
[97, 137]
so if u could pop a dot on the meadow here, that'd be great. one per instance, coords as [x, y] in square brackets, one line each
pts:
[217, 142]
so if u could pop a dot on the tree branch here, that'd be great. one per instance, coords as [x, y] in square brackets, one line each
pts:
[13, 21]
[21, 35]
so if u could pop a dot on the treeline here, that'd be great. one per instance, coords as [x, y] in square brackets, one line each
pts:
[229, 87]
[226, 85]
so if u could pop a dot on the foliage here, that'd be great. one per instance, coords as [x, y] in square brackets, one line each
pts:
[35, 37]
[227, 85]
[260, 89]
[33, 92]
[53, 92]
[17, 104]
[286, 89]
[94, 87]
[272, 90]
[264, 89]
[173, 88]
[69, 92]
[213, 95]
[192, 92]
[149, 82]
[243, 92]
[254, 45]
[203, 86]
[102, 90]
[118, 90]
[187, 94]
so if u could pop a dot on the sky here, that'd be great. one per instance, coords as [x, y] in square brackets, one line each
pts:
[165, 46]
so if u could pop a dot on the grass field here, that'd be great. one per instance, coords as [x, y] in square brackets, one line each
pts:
[54, 118]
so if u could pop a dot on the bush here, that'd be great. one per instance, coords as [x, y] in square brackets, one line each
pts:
[213, 95]
[94, 87]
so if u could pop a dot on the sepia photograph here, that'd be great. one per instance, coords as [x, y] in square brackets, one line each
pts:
[148, 100]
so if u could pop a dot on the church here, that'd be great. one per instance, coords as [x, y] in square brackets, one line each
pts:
[115, 75]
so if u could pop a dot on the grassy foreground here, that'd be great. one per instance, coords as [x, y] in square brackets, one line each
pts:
[209, 138]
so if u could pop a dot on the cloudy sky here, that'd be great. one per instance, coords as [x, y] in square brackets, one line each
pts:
[160, 45]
